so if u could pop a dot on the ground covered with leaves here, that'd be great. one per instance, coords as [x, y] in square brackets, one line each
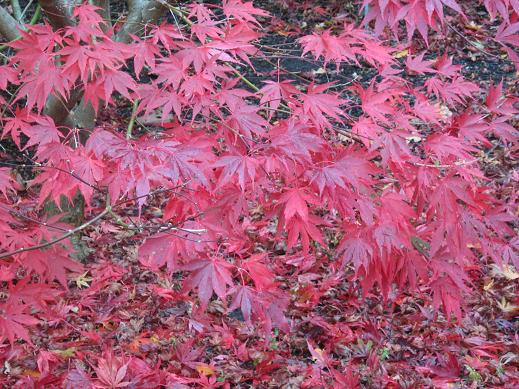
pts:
[123, 312]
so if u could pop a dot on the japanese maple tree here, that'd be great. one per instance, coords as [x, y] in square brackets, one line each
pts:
[225, 189]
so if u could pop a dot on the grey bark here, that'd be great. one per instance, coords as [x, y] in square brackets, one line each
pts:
[8, 26]
[142, 12]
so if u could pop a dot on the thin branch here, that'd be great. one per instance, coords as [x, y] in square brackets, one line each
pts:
[131, 124]
[59, 239]
[41, 166]
[473, 44]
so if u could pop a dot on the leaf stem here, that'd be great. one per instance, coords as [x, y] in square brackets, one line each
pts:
[243, 78]
[36, 16]
[131, 124]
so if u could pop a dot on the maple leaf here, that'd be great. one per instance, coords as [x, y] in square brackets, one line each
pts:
[508, 34]
[144, 53]
[472, 128]
[8, 75]
[375, 103]
[445, 67]
[39, 85]
[305, 229]
[243, 297]
[242, 165]
[118, 81]
[328, 46]
[51, 264]
[316, 104]
[418, 65]
[37, 295]
[295, 201]
[274, 91]
[259, 273]
[446, 292]
[77, 378]
[160, 250]
[14, 320]
[208, 275]
[356, 250]
[187, 354]
[245, 119]
[504, 130]
[200, 11]
[353, 168]
[204, 29]
[444, 146]
[242, 11]
[293, 141]
[452, 92]
[171, 71]
[111, 372]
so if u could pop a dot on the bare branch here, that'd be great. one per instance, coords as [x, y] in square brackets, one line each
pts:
[141, 12]
[59, 110]
[59, 12]
[9, 27]
[104, 12]
[59, 239]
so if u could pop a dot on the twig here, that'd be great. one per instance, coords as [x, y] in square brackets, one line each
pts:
[41, 166]
[59, 239]
[473, 44]
[44, 224]
[243, 78]
[131, 124]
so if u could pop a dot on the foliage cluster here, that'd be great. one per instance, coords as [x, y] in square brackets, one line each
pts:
[232, 189]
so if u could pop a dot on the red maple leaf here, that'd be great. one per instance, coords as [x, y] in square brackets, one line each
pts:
[244, 12]
[418, 65]
[317, 104]
[14, 320]
[208, 275]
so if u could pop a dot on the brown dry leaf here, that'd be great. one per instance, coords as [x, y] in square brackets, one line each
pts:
[205, 369]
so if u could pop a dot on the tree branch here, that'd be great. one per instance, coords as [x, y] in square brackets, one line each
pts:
[141, 12]
[59, 110]
[104, 12]
[59, 239]
[59, 12]
[17, 10]
[9, 27]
